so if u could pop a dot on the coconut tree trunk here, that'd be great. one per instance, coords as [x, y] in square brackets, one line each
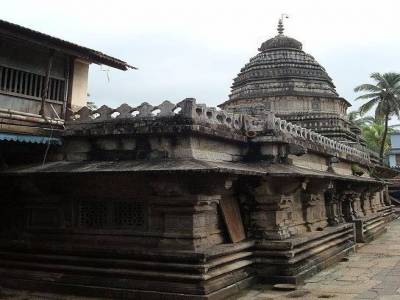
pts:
[384, 137]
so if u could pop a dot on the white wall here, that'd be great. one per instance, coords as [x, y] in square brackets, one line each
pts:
[392, 160]
[395, 139]
[79, 83]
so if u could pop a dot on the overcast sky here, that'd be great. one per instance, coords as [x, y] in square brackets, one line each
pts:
[195, 48]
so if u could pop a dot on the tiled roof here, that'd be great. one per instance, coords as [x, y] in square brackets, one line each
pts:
[51, 42]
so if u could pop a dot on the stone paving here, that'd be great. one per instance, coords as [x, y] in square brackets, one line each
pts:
[372, 273]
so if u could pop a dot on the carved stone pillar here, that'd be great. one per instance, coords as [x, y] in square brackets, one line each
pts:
[185, 212]
[347, 207]
[340, 209]
[365, 203]
[333, 207]
[315, 212]
[309, 202]
[382, 198]
[356, 205]
[354, 201]
[372, 205]
[386, 198]
[187, 221]
[376, 197]
[272, 215]
[376, 201]
[362, 203]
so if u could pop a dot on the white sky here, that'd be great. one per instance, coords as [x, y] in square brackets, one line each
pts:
[195, 48]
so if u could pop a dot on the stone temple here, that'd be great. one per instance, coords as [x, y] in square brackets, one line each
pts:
[185, 201]
[284, 79]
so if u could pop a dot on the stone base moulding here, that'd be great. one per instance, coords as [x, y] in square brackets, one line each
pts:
[215, 274]
[293, 260]
[369, 228]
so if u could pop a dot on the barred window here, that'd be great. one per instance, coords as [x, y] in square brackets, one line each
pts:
[129, 214]
[30, 84]
[93, 214]
[103, 214]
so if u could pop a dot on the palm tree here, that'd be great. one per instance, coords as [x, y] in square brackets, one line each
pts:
[385, 95]
[355, 118]
[372, 134]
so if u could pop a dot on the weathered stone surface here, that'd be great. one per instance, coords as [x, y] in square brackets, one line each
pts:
[187, 201]
[372, 273]
[285, 80]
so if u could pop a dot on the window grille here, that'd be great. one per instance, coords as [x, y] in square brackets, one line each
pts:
[93, 214]
[103, 214]
[30, 84]
[129, 214]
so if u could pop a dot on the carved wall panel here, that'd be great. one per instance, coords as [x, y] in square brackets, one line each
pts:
[108, 213]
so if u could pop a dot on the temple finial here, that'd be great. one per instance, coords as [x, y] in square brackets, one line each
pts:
[281, 29]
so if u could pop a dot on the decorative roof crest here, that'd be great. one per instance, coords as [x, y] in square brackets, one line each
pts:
[280, 28]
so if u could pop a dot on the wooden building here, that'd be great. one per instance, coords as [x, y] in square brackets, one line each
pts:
[42, 79]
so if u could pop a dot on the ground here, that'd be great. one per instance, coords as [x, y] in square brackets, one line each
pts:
[372, 273]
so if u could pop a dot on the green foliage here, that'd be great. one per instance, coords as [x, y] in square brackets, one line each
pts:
[358, 120]
[373, 133]
[356, 170]
[372, 130]
[384, 95]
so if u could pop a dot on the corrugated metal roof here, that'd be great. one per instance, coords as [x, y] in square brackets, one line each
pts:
[26, 138]
[59, 44]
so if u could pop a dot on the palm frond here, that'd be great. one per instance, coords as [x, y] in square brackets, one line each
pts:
[367, 106]
[353, 115]
[368, 96]
[376, 76]
[367, 120]
[368, 88]
[392, 78]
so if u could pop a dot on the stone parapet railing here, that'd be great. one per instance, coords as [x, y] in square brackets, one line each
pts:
[278, 124]
[187, 108]
[201, 114]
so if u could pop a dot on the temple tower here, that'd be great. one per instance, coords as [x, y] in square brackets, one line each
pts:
[284, 79]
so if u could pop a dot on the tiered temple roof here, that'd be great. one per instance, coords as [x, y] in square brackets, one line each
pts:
[282, 68]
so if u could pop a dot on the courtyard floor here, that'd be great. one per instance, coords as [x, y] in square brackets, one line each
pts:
[372, 273]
